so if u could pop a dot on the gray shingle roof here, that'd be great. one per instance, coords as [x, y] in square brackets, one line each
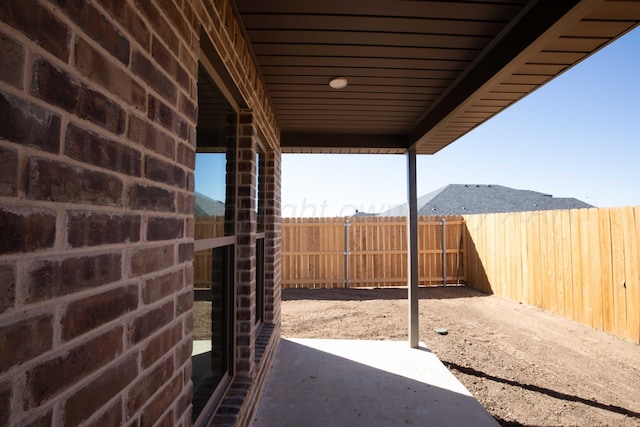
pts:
[206, 206]
[465, 199]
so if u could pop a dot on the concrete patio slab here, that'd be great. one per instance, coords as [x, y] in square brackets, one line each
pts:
[337, 383]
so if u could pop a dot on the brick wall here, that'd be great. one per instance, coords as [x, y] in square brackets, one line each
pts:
[98, 115]
[246, 247]
[273, 243]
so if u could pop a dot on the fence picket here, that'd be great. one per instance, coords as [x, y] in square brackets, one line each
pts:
[583, 264]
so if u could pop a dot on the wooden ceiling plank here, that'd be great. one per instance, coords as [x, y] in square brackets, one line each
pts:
[576, 44]
[353, 95]
[558, 58]
[616, 11]
[527, 79]
[356, 81]
[404, 8]
[384, 63]
[282, 89]
[364, 108]
[353, 102]
[460, 53]
[327, 71]
[364, 38]
[371, 24]
[541, 69]
[608, 29]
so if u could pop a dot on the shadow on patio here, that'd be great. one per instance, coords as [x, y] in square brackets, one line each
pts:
[336, 383]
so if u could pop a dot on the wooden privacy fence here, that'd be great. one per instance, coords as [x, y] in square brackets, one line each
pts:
[583, 264]
[205, 227]
[368, 251]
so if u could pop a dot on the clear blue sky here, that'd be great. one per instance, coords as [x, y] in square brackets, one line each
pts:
[578, 136]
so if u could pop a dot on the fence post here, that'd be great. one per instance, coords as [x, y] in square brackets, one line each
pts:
[444, 251]
[346, 253]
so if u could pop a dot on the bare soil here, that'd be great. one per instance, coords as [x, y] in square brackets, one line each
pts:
[526, 366]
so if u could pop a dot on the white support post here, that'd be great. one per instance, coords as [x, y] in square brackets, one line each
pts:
[412, 239]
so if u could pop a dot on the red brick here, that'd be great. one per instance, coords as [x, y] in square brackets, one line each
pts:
[161, 402]
[158, 23]
[12, 54]
[188, 325]
[45, 420]
[55, 85]
[161, 171]
[89, 313]
[84, 403]
[55, 375]
[186, 156]
[37, 23]
[177, 19]
[149, 322]
[112, 416]
[59, 88]
[128, 18]
[51, 278]
[164, 228]
[149, 260]
[28, 124]
[8, 172]
[183, 403]
[26, 230]
[5, 402]
[87, 17]
[96, 150]
[97, 67]
[170, 64]
[136, 26]
[26, 338]
[149, 198]
[146, 134]
[152, 73]
[167, 420]
[163, 114]
[183, 353]
[186, 203]
[188, 108]
[187, 371]
[8, 288]
[161, 345]
[185, 252]
[50, 180]
[91, 229]
[159, 287]
[148, 384]
[185, 302]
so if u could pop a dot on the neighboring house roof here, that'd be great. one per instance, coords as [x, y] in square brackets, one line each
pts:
[465, 199]
[360, 213]
[206, 206]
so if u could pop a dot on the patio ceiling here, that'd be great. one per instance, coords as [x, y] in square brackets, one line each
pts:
[421, 73]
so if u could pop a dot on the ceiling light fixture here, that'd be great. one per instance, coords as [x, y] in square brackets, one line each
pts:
[338, 82]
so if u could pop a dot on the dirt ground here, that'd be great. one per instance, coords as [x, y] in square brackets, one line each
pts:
[526, 366]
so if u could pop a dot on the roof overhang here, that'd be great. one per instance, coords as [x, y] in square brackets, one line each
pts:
[421, 73]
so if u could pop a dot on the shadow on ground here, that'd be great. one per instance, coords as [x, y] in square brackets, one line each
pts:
[350, 383]
[549, 392]
[367, 294]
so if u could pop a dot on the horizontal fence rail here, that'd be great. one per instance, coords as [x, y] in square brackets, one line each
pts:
[369, 251]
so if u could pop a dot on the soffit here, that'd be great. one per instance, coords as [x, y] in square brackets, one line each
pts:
[421, 73]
